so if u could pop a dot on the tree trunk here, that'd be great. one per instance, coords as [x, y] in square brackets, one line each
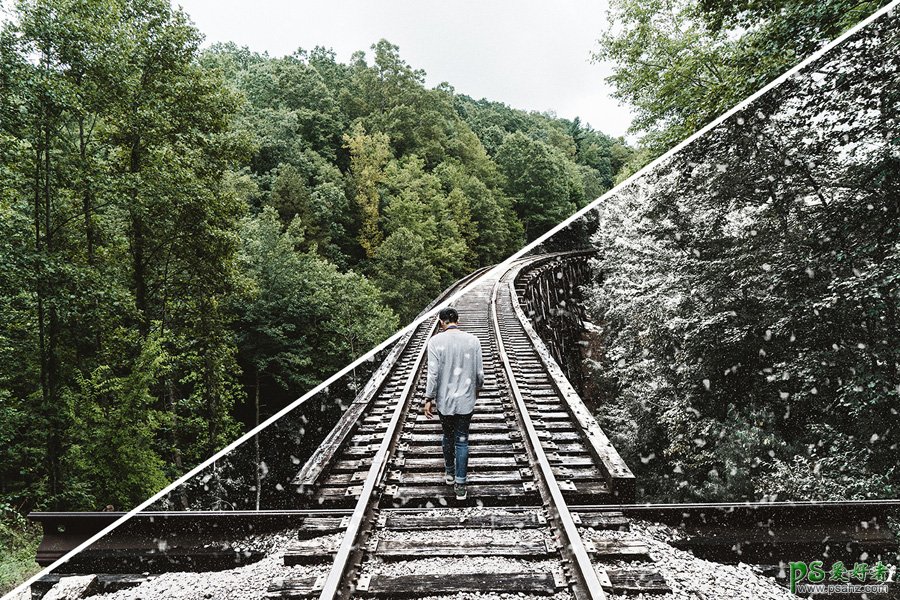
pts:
[176, 450]
[40, 292]
[87, 194]
[256, 445]
[138, 245]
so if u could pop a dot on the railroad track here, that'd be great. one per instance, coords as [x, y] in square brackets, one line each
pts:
[534, 450]
[377, 520]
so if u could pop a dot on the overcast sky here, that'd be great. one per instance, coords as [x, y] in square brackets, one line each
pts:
[529, 54]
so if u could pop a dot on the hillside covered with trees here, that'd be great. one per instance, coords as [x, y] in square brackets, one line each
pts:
[188, 234]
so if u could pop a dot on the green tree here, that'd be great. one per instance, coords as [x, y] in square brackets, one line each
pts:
[115, 145]
[494, 230]
[404, 272]
[368, 156]
[545, 187]
[681, 63]
[299, 318]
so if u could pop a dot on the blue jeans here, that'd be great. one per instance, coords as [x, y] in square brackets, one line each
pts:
[456, 445]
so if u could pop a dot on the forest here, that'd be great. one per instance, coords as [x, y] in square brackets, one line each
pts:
[192, 237]
[745, 313]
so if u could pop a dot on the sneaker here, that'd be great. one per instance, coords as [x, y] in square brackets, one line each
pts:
[460, 489]
[449, 478]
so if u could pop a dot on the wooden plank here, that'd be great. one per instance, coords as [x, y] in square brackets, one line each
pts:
[548, 402]
[577, 474]
[529, 380]
[474, 438]
[307, 554]
[401, 521]
[627, 580]
[314, 526]
[359, 438]
[334, 496]
[413, 585]
[571, 460]
[587, 492]
[473, 477]
[479, 416]
[359, 452]
[555, 415]
[484, 495]
[477, 546]
[631, 549]
[565, 448]
[295, 587]
[369, 430]
[535, 393]
[344, 478]
[474, 450]
[480, 462]
[351, 465]
[473, 427]
[551, 426]
[560, 437]
[601, 520]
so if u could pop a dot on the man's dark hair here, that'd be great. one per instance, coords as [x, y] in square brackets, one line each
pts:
[448, 315]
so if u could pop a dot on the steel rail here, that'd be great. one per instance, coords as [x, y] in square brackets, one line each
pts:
[331, 588]
[332, 585]
[620, 478]
[781, 505]
[573, 544]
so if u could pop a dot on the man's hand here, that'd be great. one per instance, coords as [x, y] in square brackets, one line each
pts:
[429, 409]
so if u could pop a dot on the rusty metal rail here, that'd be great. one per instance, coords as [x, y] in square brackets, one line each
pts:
[588, 584]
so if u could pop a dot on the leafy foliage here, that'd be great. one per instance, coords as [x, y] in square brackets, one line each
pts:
[681, 63]
[361, 151]
[19, 541]
[748, 292]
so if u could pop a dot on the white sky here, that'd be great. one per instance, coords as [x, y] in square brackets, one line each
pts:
[529, 54]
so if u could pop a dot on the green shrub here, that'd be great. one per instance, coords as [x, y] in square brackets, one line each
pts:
[19, 540]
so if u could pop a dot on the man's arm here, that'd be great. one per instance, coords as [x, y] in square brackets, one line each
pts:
[479, 368]
[431, 381]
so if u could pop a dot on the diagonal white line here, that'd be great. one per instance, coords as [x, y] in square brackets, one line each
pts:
[431, 313]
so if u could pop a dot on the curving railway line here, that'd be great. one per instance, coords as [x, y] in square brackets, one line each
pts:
[373, 509]
[535, 450]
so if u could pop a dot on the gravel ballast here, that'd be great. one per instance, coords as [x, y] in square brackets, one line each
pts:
[690, 578]
[248, 582]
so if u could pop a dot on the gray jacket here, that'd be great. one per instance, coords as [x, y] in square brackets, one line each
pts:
[455, 371]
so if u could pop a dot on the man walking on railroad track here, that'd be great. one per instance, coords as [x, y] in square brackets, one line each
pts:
[455, 374]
